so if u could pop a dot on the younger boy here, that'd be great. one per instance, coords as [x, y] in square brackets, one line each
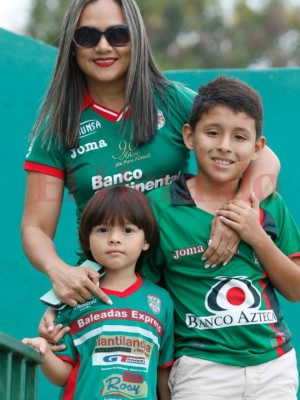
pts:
[230, 337]
[114, 351]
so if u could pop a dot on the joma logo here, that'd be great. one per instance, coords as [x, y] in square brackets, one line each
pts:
[88, 147]
[188, 251]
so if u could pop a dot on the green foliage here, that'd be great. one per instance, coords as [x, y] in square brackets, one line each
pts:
[46, 20]
[188, 34]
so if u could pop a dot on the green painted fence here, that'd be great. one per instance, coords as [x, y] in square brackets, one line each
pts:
[25, 69]
[18, 369]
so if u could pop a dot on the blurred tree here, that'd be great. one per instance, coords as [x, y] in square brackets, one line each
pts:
[187, 34]
[46, 20]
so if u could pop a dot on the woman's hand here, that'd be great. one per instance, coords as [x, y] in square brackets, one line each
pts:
[243, 218]
[75, 285]
[222, 244]
[88, 286]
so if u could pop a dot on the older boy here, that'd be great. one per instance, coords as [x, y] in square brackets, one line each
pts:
[230, 337]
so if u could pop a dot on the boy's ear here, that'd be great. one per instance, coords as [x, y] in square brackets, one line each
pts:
[146, 246]
[259, 145]
[188, 136]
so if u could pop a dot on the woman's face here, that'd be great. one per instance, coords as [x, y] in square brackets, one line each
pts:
[103, 65]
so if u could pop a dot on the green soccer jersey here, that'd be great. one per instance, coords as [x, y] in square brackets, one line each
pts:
[231, 314]
[116, 350]
[106, 155]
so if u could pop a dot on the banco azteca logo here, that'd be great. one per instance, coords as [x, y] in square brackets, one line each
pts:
[232, 293]
[232, 301]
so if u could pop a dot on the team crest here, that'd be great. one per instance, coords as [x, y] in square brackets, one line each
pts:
[160, 119]
[154, 303]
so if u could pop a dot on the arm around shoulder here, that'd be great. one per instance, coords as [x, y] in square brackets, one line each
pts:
[261, 176]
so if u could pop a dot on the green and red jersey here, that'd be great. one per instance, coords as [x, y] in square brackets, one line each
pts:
[230, 314]
[107, 156]
[116, 349]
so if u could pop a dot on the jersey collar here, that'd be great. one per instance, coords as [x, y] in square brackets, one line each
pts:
[180, 194]
[111, 115]
[127, 292]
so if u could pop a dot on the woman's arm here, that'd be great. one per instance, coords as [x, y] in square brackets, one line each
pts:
[55, 369]
[43, 201]
[260, 177]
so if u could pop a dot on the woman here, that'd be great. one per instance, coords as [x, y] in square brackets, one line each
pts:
[109, 117]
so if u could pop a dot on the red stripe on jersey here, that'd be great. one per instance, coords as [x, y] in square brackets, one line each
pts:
[127, 292]
[111, 115]
[44, 169]
[121, 314]
[278, 336]
[294, 255]
[65, 358]
[72, 381]
[169, 364]
[87, 101]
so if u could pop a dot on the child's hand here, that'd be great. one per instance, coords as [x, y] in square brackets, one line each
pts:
[38, 343]
[49, 331]
[41, 345]
[243, 218]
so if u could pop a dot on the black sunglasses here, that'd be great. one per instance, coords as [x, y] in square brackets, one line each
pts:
[87, 36]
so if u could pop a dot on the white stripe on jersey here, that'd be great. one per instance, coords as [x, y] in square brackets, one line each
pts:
[105, 110]
[121, 329]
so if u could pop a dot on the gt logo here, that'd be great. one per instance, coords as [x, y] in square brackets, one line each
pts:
[123, 358]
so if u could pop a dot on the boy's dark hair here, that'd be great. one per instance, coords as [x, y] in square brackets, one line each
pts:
[229, 92]
[119, 205]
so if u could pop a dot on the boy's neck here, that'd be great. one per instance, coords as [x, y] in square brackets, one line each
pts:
[208, 195]
[118, 280]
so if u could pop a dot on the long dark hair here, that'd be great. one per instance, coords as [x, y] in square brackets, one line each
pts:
[59, 117]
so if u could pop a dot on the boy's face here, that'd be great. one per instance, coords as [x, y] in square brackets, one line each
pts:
[224, 144]
[117, 247]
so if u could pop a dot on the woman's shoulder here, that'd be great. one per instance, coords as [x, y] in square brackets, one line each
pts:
[176, 98]
[181, 90]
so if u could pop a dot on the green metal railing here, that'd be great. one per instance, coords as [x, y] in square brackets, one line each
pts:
[18, 369]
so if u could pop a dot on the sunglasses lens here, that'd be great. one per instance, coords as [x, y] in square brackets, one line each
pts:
[118, 36]
[86, 36]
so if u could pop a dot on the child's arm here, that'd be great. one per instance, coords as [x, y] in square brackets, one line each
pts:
[283, 272]
[55, 369]
[162, 383]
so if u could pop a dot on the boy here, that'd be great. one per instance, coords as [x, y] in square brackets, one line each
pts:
[230, 337]
[114, 351]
